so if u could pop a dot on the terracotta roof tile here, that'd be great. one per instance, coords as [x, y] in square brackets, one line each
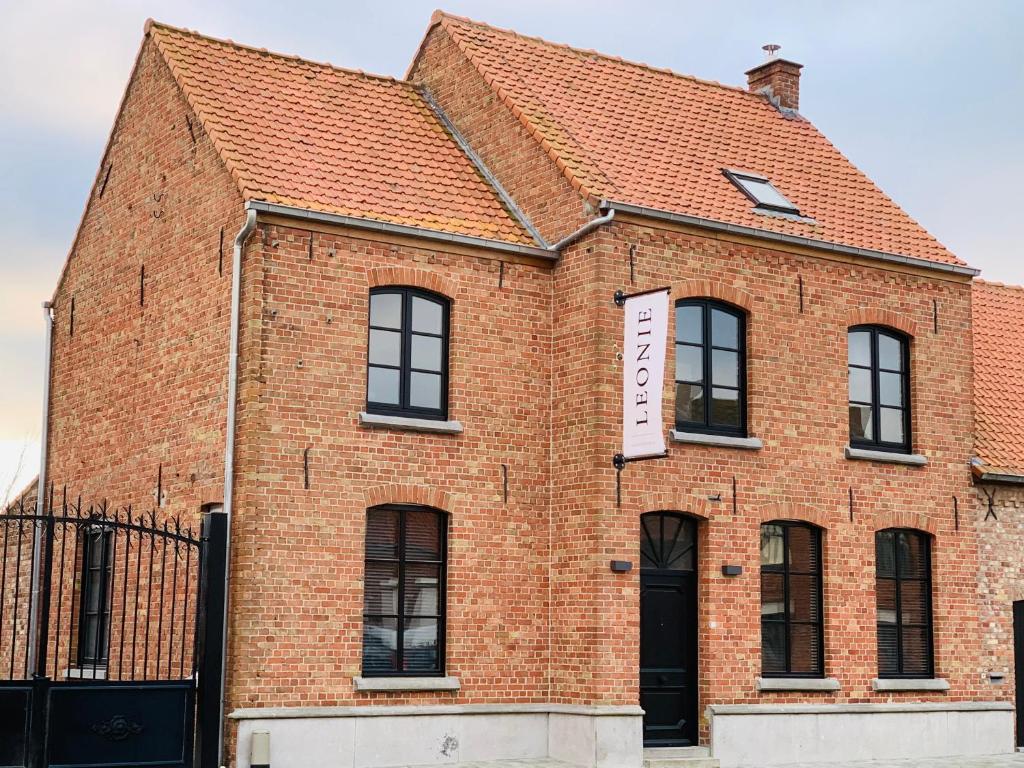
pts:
[315, 136]
[998, 322]
[635, 134]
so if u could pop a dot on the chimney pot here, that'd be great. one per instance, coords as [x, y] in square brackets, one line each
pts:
[778, 79]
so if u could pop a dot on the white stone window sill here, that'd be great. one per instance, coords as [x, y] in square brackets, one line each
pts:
[406, 683]
[88, 673]
[926, 684]
[379, 420]
[797, 684]
[719, 441]
[862, 454]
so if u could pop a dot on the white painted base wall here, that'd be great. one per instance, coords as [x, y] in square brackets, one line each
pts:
[379, 737]
[755, 735]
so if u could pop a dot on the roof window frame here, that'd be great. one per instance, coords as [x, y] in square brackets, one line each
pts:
[738, 177]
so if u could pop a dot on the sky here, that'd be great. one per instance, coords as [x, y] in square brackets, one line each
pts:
[926, 97]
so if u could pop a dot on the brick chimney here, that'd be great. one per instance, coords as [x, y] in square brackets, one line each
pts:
[779, 79]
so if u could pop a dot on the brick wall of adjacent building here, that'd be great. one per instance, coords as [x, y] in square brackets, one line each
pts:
[138, 388]
[1000, 573]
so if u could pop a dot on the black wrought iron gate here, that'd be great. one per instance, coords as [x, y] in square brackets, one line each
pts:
[101, 635]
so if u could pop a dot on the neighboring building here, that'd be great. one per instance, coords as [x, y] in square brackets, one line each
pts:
[425, 511]
[998, 469]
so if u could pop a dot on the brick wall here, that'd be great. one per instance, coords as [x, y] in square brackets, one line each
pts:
[140, 385]
[298, 552]
[503, 143]
[797, 385]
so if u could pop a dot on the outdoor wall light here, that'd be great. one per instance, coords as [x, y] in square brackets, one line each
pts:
[732, 570]
[621, 566]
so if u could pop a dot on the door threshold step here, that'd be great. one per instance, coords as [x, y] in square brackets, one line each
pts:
[679, 757]
[662, 753]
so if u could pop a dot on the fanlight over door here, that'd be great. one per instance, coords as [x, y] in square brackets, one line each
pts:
[668, 629]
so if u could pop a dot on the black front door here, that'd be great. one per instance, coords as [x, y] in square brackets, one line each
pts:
[668, 629]
[1018, 664]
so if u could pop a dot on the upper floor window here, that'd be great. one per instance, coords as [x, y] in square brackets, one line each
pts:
[404, 591]
[761, 191]
[711, 388]
[879, 364]
[93, 626]
[903, 587]
[792, 639]
[407, 371]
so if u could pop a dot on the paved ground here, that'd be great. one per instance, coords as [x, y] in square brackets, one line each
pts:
[999, 761]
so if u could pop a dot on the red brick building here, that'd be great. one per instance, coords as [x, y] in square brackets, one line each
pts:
[424, 512]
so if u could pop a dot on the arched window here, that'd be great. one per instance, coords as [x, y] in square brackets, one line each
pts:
[792, 638]
[903, 588]
[879, 366]
[407, 371]
[404, 591]
[711, 386]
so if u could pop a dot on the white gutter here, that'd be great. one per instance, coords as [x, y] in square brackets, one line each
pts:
[37, 546]
[229, 446]
[808, 242]
[586, 229]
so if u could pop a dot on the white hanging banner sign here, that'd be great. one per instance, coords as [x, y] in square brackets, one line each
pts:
[643, 350]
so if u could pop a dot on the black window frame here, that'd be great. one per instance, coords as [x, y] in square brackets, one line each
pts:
[875, 369]
[707, 353]
[928, 626]
[404, 368]
[98, 654]
[738, 177]
[787, 621]
[399, 616]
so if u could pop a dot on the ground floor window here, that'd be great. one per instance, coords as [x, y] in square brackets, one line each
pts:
[97, 565]
[903, 587]
[791, 600]
[404, 591]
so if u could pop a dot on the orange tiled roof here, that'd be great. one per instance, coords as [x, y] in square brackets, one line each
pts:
[315, 136]
[635, 134]
[998, 322]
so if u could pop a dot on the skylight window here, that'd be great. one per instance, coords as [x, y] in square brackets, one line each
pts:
[761, 191]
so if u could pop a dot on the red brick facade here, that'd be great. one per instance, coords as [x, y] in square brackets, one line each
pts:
[534, 613]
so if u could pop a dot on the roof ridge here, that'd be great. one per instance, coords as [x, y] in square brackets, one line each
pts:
[151, 23]
[439, 14]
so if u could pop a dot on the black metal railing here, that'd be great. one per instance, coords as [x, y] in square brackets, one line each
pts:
[91, 592]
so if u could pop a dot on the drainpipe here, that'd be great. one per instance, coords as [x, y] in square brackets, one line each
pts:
[229, 448]
[37, 544]
[586, 229]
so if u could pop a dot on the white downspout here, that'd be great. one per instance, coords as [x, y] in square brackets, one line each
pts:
[590, 226]
[37, 544]
[229, 446]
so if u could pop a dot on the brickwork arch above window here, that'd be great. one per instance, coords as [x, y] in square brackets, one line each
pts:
[444, 284]
[712, 289]
[885, 318]
[794, 512]
[408, 493]
[674, 501]
[885, 519]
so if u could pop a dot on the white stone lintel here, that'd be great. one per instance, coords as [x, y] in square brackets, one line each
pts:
[718, 441]
[926, 684]
[797, 684]
[406, 683]
[383, 421]
[886, 457]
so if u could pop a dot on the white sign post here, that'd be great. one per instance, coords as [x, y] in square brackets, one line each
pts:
[644, 340]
